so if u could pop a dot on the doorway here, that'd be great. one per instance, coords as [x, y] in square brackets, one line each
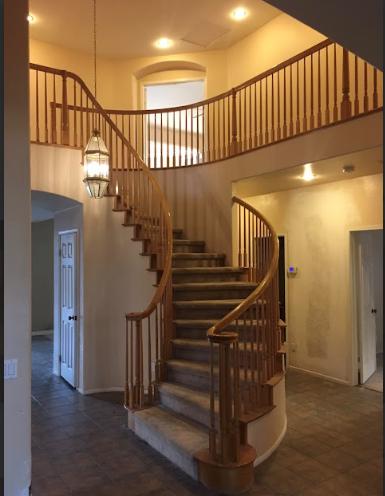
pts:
[68, 288]
[368, 292]
[56, 293]
[282, 278]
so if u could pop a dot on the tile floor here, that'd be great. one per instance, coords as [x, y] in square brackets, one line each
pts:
[80, 446]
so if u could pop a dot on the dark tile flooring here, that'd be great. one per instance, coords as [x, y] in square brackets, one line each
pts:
[80, 445]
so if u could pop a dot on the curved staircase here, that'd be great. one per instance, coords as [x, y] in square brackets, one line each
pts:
[205, 290]
[203, 357]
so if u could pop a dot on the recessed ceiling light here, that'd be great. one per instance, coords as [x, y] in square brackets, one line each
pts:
[30, 18]
[163, 43]
[239, 14]
[308, 173]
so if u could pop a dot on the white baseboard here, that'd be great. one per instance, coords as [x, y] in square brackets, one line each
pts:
[272, 448]
[101, 390]
[42, 333]
[322, 376]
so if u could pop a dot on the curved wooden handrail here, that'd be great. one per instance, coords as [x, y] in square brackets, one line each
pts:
[243, 361]
[167, 269]
[309, 91]
[215, 333]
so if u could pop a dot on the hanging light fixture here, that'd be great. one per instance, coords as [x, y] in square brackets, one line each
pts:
[96, 155]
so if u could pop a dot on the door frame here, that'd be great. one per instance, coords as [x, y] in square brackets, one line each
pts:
[284, 235]
[354, 297]
[77, 301]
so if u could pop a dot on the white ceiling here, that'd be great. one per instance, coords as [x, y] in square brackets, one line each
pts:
[366, 162]
[46, 205]
[127, 28]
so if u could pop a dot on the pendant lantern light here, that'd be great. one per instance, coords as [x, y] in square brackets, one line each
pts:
[96, 155]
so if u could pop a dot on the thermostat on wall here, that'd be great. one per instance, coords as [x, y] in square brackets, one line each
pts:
[292, 271]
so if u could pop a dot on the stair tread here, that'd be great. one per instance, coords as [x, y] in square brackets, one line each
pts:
[198, 255]
[208, 303]
[204, 344]
[183, 434]
[214, 285]
[203, 368]
[188, 270]
[209, 323]
[197, 367]
[183, 241]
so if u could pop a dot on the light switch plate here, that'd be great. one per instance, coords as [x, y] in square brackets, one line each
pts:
[10, 368]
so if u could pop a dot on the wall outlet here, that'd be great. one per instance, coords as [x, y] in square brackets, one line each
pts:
[10, 368]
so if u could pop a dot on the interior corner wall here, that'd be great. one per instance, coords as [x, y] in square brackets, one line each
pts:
[42, 275]
[115, 279]
[276, 41]
[317, 221]
[17, 251]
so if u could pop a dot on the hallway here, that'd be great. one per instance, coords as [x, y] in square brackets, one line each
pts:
[81, 447]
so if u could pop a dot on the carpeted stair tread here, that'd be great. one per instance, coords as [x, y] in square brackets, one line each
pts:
[208, 270]
[176, 437]
[198, 255]
[214, 285]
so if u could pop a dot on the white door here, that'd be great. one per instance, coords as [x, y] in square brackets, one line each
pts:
[68, 318]
[367, 265]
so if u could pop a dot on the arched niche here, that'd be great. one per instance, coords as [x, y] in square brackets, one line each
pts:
[165, 72]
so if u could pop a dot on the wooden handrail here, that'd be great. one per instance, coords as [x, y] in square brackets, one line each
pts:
[215, 332]
[137, 193]
[245, 368]
[308, 91]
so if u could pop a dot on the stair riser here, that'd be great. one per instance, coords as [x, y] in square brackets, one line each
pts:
[197, 262]
[177, 234]
[209, 313]
[182, 407]
[189, 248]
[186, 378]
[214, 277]
[194, 355]
[210, 294]
[203, 355]
[190, 332]
[198, 333]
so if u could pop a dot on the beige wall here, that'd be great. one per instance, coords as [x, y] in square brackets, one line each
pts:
[317, 221]
[276, 41]
[115, 279]
[42, 275]
[17, 252]
[119, 80]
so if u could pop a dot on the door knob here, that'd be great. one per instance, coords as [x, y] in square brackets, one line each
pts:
[73, 317]
[374, 310]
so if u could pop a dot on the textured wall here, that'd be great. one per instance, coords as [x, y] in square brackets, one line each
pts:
[317, 221]
[42, 275]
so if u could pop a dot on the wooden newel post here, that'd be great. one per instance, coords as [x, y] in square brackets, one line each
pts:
[228, 438]
[139, 388]
[234, 131]
[64, 114]
[346, 105]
